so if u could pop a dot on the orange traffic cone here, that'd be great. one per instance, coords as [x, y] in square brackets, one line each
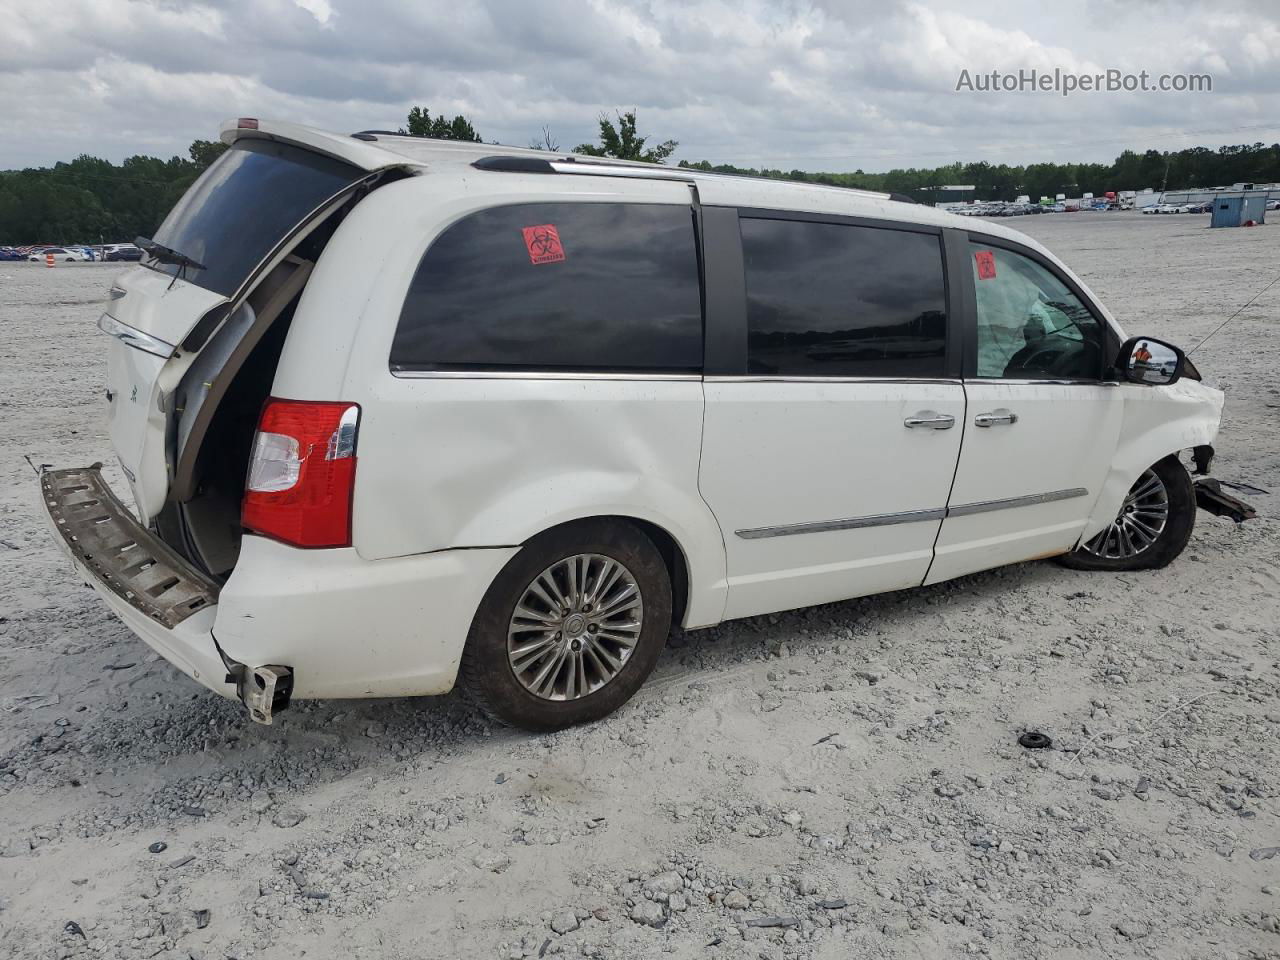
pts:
[48, 259]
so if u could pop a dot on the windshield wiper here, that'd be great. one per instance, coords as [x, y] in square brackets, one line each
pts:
[158, 251]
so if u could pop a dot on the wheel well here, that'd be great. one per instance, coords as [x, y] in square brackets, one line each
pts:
[672, 556]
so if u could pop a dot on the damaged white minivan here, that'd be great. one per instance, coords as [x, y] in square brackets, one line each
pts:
[395, 410]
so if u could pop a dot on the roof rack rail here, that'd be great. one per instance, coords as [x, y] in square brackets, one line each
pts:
[508, 164]
[374, 134]
[900, 198]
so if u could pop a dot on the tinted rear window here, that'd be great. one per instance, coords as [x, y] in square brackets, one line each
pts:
[605, 287]
[250, 199]
[835, 300]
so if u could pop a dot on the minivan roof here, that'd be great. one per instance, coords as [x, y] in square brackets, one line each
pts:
[378, 150]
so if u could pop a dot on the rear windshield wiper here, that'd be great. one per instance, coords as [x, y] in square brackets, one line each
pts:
[163, 254]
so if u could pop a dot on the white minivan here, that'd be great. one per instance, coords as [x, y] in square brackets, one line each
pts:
[395, 409]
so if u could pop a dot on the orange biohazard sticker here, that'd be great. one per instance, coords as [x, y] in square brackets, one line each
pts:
[543, 243]
[986, 261]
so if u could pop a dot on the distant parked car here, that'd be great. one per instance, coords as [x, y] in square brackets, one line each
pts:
[121, 251]
[59, 253]
[1273, 204]
[8, 253]
[1168, 208]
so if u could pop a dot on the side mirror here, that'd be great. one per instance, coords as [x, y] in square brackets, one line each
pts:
[1150, 361]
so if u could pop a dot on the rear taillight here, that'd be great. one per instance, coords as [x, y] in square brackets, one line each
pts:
[302, 473]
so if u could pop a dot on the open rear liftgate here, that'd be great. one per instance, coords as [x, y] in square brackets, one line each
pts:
[145, 572]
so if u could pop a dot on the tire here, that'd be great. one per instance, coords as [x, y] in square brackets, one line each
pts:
[1167, 480]
[509, 664]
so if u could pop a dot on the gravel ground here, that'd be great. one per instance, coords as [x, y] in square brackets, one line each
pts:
[837, 782]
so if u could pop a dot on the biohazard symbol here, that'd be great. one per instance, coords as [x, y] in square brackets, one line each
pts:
[986, 261]
[543, 243]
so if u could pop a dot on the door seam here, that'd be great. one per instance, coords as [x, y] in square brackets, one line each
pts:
[955, 472]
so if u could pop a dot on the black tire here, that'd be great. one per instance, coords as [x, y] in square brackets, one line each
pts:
[1171, 540]
[486, 671]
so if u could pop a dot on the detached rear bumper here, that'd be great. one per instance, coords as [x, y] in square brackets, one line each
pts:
[288, 622]
[158, 595]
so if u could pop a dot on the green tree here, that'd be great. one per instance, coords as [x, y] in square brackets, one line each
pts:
[623, 143]
[422, 124]
[204, 152]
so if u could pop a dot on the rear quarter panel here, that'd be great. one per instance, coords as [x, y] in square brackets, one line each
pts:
[466, 462]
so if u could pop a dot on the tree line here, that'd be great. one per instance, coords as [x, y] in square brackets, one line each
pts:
[90, 200]
[1168, 170]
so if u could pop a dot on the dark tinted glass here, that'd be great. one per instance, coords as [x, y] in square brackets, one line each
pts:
[557, 286]
[250, 199]
[830, 300]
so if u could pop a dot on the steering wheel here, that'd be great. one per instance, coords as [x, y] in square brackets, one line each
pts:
[1056, 361]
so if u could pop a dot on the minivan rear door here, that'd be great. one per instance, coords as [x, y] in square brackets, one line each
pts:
[243, 216]
[834, 416]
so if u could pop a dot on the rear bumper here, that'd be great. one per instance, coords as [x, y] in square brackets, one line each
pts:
[171, 606]
[342, 625]
[350, 627]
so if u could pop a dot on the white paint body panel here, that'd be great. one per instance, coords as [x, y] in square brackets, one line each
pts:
[1064, 439]
[782, 453]
[351, 627]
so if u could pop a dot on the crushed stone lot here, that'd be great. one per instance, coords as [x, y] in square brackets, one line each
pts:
[837, 782]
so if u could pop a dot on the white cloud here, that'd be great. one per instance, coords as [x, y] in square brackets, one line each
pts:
[829, 84]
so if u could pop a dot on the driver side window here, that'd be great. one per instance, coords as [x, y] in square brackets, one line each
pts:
[1030, 325]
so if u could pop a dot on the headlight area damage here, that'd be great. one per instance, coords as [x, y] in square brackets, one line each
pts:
[167, 601]
[1210, 496]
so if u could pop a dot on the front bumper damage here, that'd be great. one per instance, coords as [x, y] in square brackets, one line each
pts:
[162, 597]
[1210, 496]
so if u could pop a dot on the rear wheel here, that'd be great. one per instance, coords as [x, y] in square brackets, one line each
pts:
[570, 628]
[1151, 528]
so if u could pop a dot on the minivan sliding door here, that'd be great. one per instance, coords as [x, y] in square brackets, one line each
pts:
[833, 406]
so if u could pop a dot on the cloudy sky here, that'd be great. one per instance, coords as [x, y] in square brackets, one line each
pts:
[823, 85]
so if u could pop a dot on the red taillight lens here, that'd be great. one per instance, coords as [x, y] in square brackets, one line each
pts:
[302, 473]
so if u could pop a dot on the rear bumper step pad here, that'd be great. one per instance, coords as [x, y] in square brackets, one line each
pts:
[125, 557]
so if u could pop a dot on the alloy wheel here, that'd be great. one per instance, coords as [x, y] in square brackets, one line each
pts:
[575, 627]
[1139, 523]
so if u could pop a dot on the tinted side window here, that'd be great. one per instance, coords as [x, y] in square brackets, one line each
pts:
[557, 286]
[832, 300]
[1030, 325]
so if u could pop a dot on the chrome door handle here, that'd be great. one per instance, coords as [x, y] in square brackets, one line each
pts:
[931, 420]
[994, 418]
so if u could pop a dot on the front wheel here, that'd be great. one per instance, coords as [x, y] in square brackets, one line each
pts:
[570, 628]
[1152, 527]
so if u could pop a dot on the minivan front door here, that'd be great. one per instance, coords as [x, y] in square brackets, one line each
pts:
[828, 458]
[1042, 424]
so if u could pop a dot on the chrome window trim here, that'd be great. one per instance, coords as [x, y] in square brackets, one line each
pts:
[853, 523]
[537, 375]
[598, 375]
[135, 338]
[1014, 381]
[1030, 500]
[766, 378]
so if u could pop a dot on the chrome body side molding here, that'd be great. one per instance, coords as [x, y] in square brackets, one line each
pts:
[1031, 500]
[823, 526]
[911, 516]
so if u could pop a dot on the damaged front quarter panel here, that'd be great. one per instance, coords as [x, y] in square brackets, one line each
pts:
[1158, 421]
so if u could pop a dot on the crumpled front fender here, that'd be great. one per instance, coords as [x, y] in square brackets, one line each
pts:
[1158, 421]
